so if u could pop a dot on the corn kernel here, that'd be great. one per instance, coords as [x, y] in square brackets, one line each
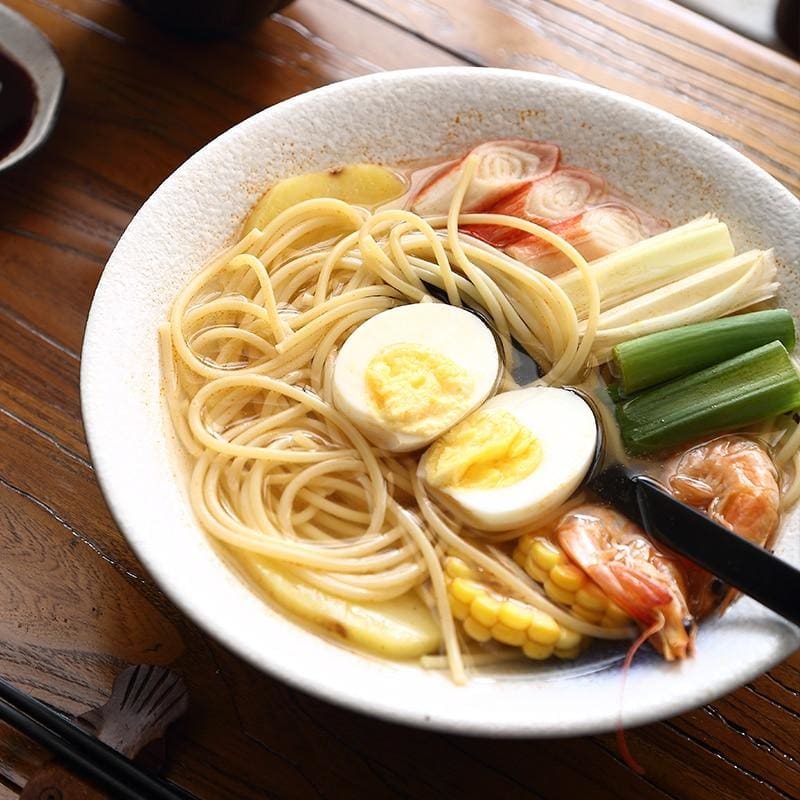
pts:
[567, 576]
[524, 543]
[476, 630]
[537, 651]
[464, 590]
[568, 639]
[558, 594]
[484, 609]
[591, 596]
[457, 568]
[543, 629]
[595, 617]
[546, 554]
[534, 570]
[508, 635]
[515, 615]
[520, 557]
[460, 610]
[615, 615]
[573, 653]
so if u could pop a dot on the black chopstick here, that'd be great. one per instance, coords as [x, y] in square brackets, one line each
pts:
[82, 752]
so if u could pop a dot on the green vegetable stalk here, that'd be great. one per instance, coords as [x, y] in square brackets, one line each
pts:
[748, 388]
[659, 357]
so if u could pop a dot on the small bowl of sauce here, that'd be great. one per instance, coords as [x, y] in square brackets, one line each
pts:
[31, 84]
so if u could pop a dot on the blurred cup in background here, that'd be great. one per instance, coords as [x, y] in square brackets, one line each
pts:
[206, 19]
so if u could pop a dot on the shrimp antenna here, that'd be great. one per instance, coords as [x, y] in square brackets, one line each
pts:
[622, 743]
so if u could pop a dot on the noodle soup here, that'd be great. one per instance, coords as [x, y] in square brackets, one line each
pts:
[393, 386]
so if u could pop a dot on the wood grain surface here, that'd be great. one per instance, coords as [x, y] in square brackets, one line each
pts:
[76, 605]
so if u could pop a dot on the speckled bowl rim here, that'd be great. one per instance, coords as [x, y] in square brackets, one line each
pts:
[129, 444]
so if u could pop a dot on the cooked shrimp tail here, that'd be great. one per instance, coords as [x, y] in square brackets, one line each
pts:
[644, 582]
[641, 594]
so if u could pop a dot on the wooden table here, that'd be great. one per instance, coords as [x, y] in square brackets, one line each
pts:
[76, 605]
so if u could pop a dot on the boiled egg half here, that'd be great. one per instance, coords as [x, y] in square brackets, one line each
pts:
[518, 457]
[407, 375]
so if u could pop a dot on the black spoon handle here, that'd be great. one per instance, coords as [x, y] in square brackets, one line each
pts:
[745, 566]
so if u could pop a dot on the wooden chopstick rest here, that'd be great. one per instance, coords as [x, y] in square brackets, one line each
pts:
[145, 700]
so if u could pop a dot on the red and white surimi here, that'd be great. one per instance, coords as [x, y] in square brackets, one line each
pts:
[503, 166]
[594, 234]
[560, 196]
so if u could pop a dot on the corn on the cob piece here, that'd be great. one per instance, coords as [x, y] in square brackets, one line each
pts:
[566, 583]
[487, 615]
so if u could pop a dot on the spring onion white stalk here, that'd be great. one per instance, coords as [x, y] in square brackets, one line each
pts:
[714, 292]
[651, 263]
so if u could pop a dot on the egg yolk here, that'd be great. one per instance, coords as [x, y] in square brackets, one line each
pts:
[416, 390]
[488, 450]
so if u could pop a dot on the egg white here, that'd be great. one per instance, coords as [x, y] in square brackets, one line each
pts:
[566, 429]
[452, 332]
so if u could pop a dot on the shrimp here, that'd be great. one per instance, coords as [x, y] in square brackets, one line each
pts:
[733, 480]
[644, 582]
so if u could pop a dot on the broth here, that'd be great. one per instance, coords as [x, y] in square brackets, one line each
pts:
[373, 475]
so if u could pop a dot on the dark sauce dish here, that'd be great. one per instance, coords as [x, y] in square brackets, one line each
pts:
[31, 86]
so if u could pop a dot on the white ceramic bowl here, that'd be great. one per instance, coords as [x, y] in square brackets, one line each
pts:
[670, 167]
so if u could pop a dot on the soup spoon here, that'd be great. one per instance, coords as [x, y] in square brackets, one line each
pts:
[741, 564]
[527, 370]
[749, 568]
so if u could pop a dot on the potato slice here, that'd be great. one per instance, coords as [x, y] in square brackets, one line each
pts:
[399, 628]
[367, 185]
